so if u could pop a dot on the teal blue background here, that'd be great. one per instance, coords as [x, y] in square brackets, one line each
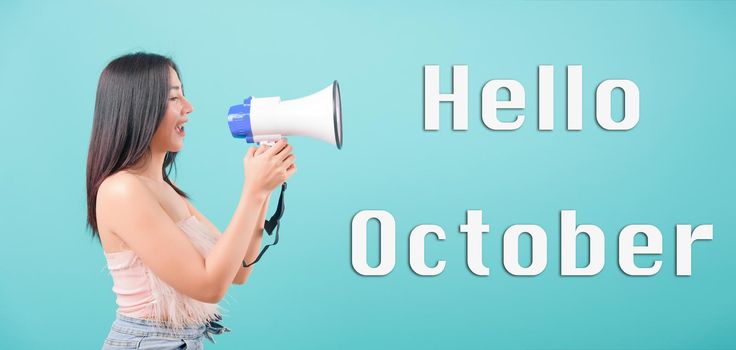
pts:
[674, 167]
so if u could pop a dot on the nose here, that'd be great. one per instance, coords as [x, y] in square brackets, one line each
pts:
[188, 108]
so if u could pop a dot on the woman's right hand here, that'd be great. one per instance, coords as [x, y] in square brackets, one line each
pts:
[267, 167]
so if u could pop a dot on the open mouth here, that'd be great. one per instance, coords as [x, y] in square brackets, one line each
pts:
[180, 129]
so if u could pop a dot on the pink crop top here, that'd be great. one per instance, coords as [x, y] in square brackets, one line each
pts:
[141, 294]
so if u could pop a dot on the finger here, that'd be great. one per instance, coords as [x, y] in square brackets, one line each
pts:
[251, 152]
[261, 149]
[277, 147]
[290, 171]
[285, 153]
[288, 161]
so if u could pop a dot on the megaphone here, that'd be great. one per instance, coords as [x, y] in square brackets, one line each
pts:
[267, 119]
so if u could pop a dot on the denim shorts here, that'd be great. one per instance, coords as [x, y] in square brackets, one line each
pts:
[133, 333]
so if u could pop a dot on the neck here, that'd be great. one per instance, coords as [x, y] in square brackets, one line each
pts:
[151, 167]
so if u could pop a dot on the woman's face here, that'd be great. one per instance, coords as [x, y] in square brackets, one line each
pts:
[170, 133]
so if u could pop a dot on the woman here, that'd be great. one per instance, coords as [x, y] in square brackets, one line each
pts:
[169, 264]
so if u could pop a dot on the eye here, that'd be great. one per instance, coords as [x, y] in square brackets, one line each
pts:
[175, 98]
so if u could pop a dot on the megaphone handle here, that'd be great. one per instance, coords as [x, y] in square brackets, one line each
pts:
[270, 224]
[267, 143]
[269, 139]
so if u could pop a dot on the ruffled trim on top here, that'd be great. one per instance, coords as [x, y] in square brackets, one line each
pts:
[172, 307]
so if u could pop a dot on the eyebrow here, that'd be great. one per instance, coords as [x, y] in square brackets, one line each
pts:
[174, 88]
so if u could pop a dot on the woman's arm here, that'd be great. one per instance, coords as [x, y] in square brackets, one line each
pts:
[254, 249]
[134, 214]
[255, 244]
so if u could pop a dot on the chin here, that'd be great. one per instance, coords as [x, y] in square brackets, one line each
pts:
[176, 147]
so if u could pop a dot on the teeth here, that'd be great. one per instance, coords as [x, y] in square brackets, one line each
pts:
[180, 127]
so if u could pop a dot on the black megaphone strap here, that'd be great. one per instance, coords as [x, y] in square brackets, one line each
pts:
[270, 224]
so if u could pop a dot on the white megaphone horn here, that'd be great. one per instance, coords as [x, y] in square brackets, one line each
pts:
[267, 119]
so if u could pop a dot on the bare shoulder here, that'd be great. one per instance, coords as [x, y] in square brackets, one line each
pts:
[121, 186]
[117, 194]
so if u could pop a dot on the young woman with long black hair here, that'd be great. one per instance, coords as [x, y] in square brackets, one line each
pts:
[169, 264]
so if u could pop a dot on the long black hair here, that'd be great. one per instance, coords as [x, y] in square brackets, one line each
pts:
[132, 96]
